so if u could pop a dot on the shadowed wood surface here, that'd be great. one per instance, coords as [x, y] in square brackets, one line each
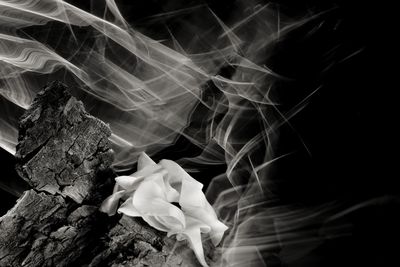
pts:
[64, 155]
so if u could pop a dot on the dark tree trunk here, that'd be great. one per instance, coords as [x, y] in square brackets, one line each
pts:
[64, 154]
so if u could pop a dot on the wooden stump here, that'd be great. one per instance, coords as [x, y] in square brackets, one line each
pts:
[64, 154]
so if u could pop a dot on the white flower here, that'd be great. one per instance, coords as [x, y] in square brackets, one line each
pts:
[150, 192]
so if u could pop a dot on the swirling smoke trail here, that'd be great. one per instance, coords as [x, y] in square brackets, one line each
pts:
[181, 74]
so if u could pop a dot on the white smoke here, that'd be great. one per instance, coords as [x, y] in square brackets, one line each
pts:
[206, 82]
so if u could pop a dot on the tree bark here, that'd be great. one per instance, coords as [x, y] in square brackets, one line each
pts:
[64, 154]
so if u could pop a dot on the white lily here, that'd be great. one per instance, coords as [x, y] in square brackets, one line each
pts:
[150, 192]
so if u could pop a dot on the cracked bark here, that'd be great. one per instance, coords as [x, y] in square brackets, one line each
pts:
[64, 154]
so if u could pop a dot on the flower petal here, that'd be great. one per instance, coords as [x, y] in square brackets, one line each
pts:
[195, 204]
[171, 220]
[192, 233]
[155, 223]
[149, 194]
[116, 188]
[110, 204]
[206, 214]
[171, 193]
[128, 182]
[193, 201]
[148, 170]
[191, 194]
[176, 174]
[150, 200]
[144, 160]
[127, 208]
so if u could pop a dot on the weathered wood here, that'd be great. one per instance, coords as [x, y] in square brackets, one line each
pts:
[65, 156]
[34, 216]
[61, 147]
[132, 242]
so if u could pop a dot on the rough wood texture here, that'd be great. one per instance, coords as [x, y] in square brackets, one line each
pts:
[64, 155]
[131, 242]
[61, 147]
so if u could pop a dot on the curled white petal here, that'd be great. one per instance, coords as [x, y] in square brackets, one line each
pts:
[110, 204]
[206, 214]
[193, 201]
[144, 160]
[150, 200]
[127, 208]
[128, 182]
[192, 233]
[150, 192]
[176, 174]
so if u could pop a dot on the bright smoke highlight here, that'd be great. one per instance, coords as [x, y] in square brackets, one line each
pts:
[206, 82]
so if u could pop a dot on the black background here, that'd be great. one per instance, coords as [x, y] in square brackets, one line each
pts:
[347, 126]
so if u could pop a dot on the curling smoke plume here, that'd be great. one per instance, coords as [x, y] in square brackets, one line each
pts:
[184, 73]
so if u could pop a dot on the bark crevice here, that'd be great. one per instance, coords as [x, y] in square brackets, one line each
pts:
[64, 155]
